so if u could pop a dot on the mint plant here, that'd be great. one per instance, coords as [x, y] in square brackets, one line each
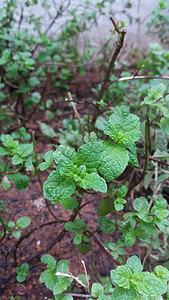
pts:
[117, 156]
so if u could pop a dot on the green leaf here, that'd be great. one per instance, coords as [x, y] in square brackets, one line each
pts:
[49, 156]
[23, 222]
[5, 183]
[64, 152]
[47, 130]
[134, 263]
[165, 125]
[49, 278]
[16, 159]
[119, 203]
[121, 276]
[106, 207]
[69, 226]
[22, 272]
[90, 154]
[162, 272]
[133, 161]
[77, 240]
[80, 225]
[157, 91]
[20, 181]
[147, 179]
[4, 151]
[123, 127]
[148, 284]
[122, 191]
[130, 238]
[50, 114]
[96, 290]
[16, 234]
[49, 261]
[57, 188]
[92, 181]
[63, 267]
[23, 150]
[114, 161]
[33, 81]
[11, 224]
[126, 294]
[140, 204]
[49, 103]
[162, 224]
[43, 166]
[70, 203]
[35, 97]
[60, 286]
[43, 56]
[107, 225]
[8, 141]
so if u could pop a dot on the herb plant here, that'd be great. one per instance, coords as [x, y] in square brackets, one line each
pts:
[117, 155]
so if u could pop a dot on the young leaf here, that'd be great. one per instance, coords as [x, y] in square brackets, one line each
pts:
[22, 272]
[119, 203]
[49, 156]
[97, 289]
[162, 272]
[123, 127]
[140, 204]
[121, 276]
[49, 260]
[16, 234]
[23, 222]
[64, 152]
[134, 263]
[90, 154]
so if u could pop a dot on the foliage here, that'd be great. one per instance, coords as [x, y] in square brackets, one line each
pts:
[117, 154]
[159, 21]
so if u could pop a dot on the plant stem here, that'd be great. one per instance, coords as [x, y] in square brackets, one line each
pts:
[101, 246]
[119, 45]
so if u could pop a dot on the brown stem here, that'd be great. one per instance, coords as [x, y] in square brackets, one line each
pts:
[99, 243]
[119, 45]
[76, 113]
